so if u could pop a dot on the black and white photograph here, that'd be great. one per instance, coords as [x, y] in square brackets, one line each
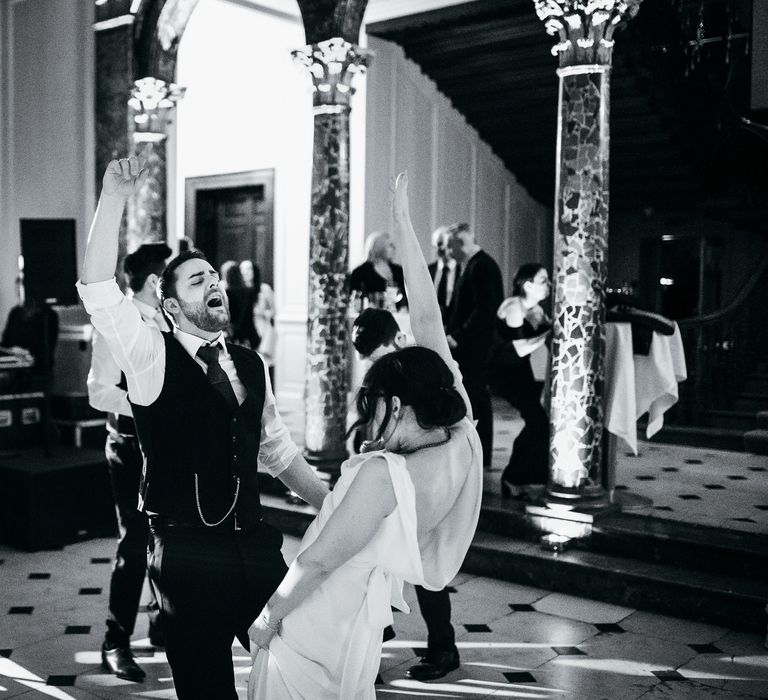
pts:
[394, 349]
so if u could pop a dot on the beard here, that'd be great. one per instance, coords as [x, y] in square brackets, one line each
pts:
[205, 318]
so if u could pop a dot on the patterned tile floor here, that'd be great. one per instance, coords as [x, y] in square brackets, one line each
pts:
[515, 642]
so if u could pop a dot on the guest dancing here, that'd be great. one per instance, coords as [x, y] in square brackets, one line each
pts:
[522, 327]
[206, 419]
[107, 391]
[242, 300]
[406, 509]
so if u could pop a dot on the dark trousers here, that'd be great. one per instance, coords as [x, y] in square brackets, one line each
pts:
[529, 461]
[125, 460]
[211, 583]
[480, 399]
[436, 610]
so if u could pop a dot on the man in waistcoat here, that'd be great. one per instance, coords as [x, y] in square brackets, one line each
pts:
[107, 391]
[206, 418]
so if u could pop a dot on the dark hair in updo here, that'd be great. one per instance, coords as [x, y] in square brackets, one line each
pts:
[421, 379]
[525, 273]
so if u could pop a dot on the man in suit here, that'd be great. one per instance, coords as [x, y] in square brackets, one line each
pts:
[206, 419]
[470, 328]
[107, 392]
[444, 271]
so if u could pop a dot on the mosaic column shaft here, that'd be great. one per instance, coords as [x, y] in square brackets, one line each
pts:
[580, 272]
[585, 31]
[332, 65]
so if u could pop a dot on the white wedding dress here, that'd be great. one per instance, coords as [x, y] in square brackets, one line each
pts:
[329, 647]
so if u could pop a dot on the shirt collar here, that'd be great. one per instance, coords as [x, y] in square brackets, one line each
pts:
[192, 343]
[147, 311]
[451, 264]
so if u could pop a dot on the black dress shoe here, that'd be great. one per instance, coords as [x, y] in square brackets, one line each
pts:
[156, 636]
[120, 662]
[434, 665]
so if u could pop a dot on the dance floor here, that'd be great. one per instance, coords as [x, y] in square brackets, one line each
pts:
[515, 642]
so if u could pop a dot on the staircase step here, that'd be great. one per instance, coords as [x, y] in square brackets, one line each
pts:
[735, 420]
[756, 441]
[600, 567]
[750, 402]
[695, 436]
[762, 419]
[731, 601]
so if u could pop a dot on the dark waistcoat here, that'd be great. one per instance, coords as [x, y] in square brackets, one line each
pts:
[189, 429]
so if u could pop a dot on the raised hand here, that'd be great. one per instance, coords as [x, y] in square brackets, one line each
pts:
[400, 206]
[123, 177]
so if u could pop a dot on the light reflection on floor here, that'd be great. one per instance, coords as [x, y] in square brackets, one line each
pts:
[548, 646]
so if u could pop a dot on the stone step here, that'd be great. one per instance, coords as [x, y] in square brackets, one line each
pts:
[731, 601]
[735, 420]
[762, 419]
[750, 402]
[601, 568]
[756, 441]
[695, 436]
[658, 540]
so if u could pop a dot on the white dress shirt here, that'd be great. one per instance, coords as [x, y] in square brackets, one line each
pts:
[139, 351]
[449, 269]
[104, 394]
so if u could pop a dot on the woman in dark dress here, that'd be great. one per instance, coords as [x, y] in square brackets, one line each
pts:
[378, 272]
[522, 327]
[241, 302]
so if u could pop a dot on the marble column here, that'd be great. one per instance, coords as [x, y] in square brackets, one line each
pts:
[585, 32]
[332, 65]
[151, 107]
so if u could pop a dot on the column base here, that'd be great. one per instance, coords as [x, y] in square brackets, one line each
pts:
[570, 512]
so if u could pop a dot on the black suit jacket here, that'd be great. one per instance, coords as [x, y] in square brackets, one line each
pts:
[444, 310]
[477, 295]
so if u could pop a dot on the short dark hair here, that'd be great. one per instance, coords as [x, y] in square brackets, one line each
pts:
[372, 329]
[525, 273]
[421, 379]
[146, 260]
[167, 284]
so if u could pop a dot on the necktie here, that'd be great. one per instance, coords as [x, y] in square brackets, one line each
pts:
[442, 288]
[216, 375]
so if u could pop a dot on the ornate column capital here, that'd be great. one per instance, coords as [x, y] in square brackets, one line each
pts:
[151, 104]
[585, 27]
[333, 65]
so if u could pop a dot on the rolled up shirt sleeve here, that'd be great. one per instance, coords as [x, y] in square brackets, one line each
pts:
[138, 350]
[277, 449]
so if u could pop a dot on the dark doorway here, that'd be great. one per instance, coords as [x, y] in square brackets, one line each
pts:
[230, 217]
[681, 276]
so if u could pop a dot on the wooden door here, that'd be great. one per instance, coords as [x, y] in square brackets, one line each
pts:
[230, 217]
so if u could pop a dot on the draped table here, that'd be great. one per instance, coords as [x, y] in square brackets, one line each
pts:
[636, 385]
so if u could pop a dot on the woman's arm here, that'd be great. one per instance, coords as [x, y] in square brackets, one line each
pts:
[426, 320]
[525, 346]
[352, 525]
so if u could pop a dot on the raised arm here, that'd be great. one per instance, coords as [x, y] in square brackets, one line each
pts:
[426, 320]
[121, 179]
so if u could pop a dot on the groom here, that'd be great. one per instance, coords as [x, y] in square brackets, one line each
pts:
[206, 418]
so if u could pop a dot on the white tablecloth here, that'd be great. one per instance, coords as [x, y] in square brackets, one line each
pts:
[638, 384]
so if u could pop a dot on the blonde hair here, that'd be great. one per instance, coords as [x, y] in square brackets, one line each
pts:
[374, 245]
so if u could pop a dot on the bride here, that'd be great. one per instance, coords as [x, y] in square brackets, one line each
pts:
[404, 510]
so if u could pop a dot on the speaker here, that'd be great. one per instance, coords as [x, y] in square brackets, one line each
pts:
[50, 264]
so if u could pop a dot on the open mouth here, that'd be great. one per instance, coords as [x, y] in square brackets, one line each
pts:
[215, 301]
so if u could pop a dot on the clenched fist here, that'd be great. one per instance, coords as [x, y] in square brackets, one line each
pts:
[123, 177]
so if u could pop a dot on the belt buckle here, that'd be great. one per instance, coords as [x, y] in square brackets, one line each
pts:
[237, 525]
